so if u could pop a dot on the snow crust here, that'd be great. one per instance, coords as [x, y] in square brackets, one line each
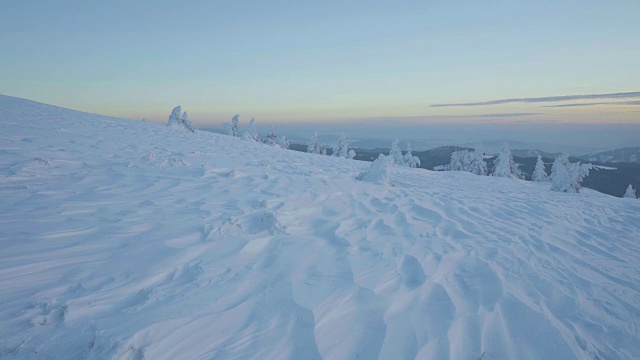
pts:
[127, 240]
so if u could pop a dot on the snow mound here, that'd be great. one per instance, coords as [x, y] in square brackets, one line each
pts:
[378, 172]
[129, 240]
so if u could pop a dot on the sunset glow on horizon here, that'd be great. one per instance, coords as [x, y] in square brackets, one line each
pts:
[293, 63]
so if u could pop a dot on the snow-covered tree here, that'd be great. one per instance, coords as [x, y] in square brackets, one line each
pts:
[174, 118]
[630, 193]
[283, 142]
[184, 119]
[351, 154]
[314, 145]
[396, 154]
[459, 161]
[566, 176]
[476, 163]
[227, 129]
[179, 120]
[410, 160]
[251, 134]
[272, 138]
[235, 130]
[504, 166]
[378, 172]
[341, 148]
[539, 174]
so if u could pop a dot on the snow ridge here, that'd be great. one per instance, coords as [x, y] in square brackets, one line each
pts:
[125, 239]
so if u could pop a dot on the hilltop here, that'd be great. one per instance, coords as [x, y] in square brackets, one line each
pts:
[127, 239]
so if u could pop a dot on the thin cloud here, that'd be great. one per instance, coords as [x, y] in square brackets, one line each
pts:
[623, 95]
[503, 115]
[440, 117]
[634, 102]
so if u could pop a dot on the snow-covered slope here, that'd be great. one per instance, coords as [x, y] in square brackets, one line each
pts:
[130, 240]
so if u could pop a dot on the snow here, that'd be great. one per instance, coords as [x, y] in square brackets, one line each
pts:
[602, 167]
[124, 239]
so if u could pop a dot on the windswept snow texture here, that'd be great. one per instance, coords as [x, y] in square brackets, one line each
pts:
[127, 240]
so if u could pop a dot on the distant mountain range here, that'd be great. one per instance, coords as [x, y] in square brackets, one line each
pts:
[610, 177]
[629, 154]
[614, 171]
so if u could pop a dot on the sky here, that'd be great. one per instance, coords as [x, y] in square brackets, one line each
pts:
[312, 62]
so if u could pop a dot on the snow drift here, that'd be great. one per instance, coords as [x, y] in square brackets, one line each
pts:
[123, 239]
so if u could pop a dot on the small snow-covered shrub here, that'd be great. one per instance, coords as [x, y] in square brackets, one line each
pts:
[630, 193]
[378, 172]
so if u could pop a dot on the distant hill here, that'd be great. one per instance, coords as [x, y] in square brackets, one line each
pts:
[629, 154]
[535, 153]
[610, 178]
[543, 148]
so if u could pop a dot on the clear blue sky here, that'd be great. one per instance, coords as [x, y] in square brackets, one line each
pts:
[302, 61]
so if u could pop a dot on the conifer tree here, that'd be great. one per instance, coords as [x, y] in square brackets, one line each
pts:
[272, 138]
[539, 174]
[283, 142]
[477, 165]
[396, 154]
[566, 176]
[341, 148]
[504, 166]
[314, 145]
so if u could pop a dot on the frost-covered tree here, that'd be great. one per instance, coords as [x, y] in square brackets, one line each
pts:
[184, 119]
[504, 166]
[539, 174]
[476, 163]
[410, 160]
[235, 130]
[251, 134]
[378, 172]
[174, 118]
[460, 160]
[179, 120]
[396, 154]
[351, 154]
[272, 138]
[630, 193]
[341, 148]
[283, 142]
[227, 129]
[314, 145]
[566, 176]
